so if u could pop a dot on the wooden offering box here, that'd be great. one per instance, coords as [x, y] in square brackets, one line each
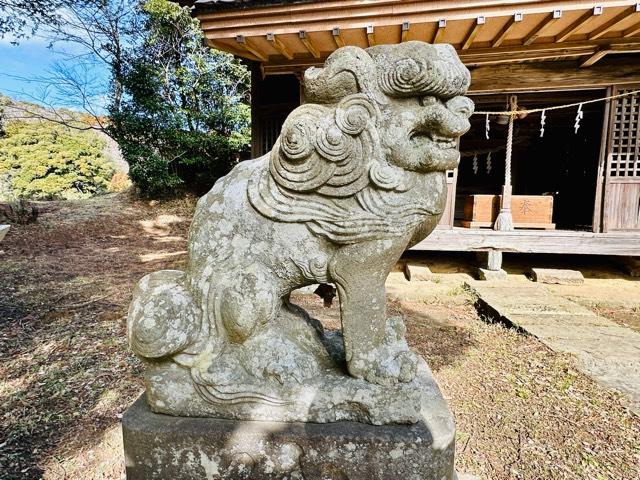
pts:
[528, 211]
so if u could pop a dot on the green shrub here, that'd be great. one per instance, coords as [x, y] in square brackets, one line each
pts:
[43, 160]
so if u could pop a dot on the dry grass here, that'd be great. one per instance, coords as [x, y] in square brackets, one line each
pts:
[66, 372]
[67, 376]
[522, 411]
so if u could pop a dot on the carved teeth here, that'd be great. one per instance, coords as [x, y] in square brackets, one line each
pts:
[443, 142]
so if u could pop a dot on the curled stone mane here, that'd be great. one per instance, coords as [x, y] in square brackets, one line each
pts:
[329, 152]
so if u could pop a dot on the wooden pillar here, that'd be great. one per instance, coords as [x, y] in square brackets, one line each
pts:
[256, 131]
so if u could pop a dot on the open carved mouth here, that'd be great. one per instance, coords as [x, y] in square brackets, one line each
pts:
[444, 143]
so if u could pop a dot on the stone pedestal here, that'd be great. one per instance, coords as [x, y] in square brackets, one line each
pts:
[180, 448]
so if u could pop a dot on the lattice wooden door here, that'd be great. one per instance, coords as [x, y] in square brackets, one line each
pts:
[622, 183]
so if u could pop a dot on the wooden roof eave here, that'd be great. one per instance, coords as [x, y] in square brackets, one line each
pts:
[294, 41]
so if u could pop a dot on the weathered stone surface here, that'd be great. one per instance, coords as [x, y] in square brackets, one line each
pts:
[556, 276]
[355, 178]
[491, 260]
[4, 229]
[165, 447]
[485, 274]
[329, 397]
[417, 273]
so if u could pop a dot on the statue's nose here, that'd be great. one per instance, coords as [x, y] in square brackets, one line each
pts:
[461, 105]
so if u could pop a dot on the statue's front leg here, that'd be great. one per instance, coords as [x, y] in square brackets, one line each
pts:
[375, 346]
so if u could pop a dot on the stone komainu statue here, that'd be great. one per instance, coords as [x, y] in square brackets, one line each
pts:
[356, 177]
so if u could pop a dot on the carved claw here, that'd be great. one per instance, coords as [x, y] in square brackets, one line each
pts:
[389, 363]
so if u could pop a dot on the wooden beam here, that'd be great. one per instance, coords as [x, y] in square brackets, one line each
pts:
[548, 21]
[605, 50]
[579, 23]
[632, 31]
[615, 21]
[311, 48]
[553, 75]
[404, 31]
[532, 241]
[597, 55]
[251, 48]
[477, 57]
[442, 24]
[371, 36]
[473, 32]
[278, 45]
[238, 52]
[497, 41]
[337, 37]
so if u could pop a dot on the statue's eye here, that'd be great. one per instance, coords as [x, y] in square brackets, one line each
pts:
[427, 100]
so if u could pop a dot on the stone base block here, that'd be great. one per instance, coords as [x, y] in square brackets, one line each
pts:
[178, 448]
[556, 276]
[484, 274]
[415, 272]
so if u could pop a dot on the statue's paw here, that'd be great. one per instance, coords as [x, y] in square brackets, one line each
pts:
[390, 362]
[400, 368]
[408, 365]
[385, 367]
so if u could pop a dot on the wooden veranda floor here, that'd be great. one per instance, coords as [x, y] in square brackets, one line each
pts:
[460, 239]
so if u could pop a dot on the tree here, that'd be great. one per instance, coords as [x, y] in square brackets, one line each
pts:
[95, 34]
[183, 116]
[43, 160]
[20, 18]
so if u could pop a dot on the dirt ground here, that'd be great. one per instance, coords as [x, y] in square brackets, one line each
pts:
[66, 375]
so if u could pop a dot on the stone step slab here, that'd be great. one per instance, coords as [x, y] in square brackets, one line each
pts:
[556, 276]
[417, 273]
[607, 352]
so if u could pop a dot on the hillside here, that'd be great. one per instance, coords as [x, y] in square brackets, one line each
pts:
[44, 159]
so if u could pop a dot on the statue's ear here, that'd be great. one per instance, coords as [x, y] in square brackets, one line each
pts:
[327, 150]
[347, 71]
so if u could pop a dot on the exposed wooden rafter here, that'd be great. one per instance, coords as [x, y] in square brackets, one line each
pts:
[278, 45]
[614, 22]
[442, 25]
[371, 36]
[239, 52]
[597, 55]
[337, 37]
[546, 51]
[309, 45]
[251, 48]
[632, 31]
[473, 32]
[607, 49]
[404, 31]
[497, 41]
[579, 23]
[539, 29]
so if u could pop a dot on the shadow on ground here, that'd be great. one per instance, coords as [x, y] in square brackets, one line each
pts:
[67, 280]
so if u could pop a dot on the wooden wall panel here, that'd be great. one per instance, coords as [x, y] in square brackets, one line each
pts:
[622, 205]
[622, 185]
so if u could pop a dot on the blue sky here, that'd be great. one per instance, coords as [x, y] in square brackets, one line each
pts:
[33, 59]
